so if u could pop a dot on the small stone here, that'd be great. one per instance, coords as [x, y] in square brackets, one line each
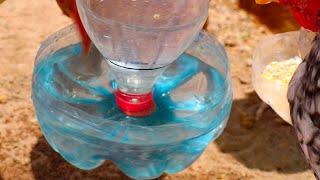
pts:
[156, 16]
[249, 62]
[3, 99]
[230, 44]
[221, 176]
[34, 120]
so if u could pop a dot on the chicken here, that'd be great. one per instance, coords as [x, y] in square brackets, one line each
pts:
[305, 11]
[69, 8]
[266, 1]
[303, 96]
[304, 88]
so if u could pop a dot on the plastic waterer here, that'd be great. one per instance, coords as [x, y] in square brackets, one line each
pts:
[184, 71]
[278, 48]
[141, 35]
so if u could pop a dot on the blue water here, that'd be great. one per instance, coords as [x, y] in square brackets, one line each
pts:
[77, 112]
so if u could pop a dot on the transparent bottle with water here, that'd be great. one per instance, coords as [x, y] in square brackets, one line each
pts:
[140, 38]
[152, 94]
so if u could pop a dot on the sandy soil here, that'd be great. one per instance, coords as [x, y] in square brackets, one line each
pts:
[250, 148]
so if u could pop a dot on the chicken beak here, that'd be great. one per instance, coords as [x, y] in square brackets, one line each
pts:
[266, 1]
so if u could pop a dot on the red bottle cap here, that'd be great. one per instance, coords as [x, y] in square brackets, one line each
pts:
[135, 104]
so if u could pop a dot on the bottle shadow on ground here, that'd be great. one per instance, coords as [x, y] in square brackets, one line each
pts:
[276, 17]
[270, 145]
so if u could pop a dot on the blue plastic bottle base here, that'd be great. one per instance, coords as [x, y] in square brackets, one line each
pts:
[76, 109]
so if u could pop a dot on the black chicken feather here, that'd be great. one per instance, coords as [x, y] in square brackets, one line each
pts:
[304, 99]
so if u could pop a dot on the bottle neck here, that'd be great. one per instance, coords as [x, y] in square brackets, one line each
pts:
[134, 81]
[135, 104]
[134, 88]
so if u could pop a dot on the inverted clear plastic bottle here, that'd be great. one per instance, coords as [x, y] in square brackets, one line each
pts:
[140, 38]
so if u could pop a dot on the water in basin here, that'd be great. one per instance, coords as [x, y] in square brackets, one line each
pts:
[76, 109]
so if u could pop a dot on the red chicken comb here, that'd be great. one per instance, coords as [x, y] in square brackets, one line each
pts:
[306, 12]
[69, 8]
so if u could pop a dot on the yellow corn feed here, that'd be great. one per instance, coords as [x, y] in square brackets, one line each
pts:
[282, 71]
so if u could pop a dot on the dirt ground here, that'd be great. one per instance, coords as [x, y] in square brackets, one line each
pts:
[249, 148]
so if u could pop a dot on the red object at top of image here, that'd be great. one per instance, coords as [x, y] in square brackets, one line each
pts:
[69, 8]
[305, 11]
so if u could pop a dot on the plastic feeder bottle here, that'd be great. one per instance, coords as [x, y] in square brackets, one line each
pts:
[279, 47]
